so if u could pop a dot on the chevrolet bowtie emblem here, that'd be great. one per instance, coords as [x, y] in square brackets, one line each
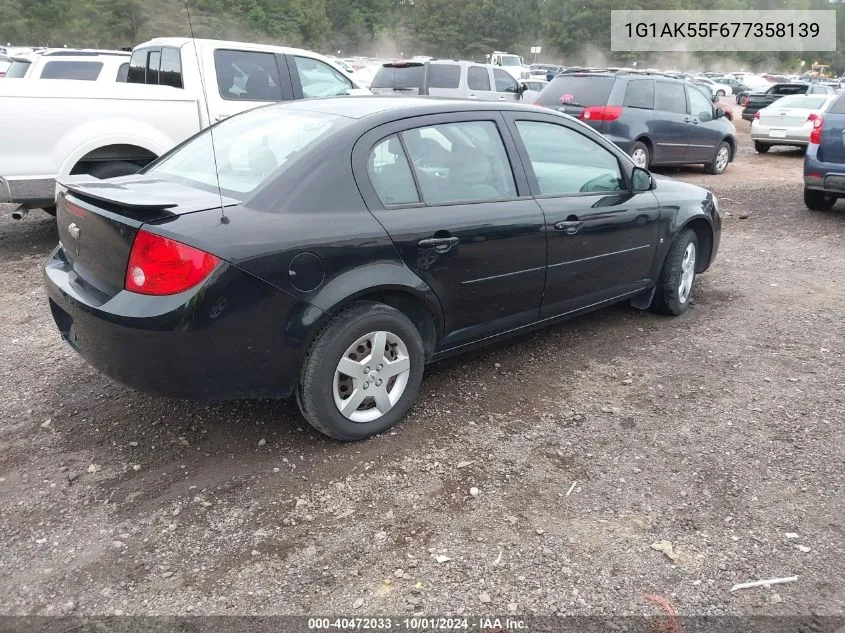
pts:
[73, 230]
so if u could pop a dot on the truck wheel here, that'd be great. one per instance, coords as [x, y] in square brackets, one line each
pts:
[113, 169]
[720, 159]
[762, 148]
[816, 200]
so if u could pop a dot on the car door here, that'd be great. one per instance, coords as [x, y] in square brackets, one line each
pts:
[444, 190]
[479, 83]
[703, 131]
[669, 122]
[602, 236]
[507, 88]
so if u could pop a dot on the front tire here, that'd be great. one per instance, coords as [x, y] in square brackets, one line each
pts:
[362, 373]
[641, 155]
[761, 148]
[816, 200]
[720, 159]
[676, 283]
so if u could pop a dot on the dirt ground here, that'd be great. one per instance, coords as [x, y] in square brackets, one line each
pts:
[721, 431]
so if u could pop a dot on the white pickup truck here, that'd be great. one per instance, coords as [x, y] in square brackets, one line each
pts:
[175, 87]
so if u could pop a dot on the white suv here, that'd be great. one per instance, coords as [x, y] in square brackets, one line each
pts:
[86, 65]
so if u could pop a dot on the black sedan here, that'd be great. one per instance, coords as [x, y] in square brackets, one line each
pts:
[331, 248]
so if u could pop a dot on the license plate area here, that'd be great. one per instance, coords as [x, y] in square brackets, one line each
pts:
[777, 133]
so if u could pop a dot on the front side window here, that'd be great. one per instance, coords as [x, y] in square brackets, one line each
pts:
[318, 79]
[504, 82]
[478, 78]
[391, 174]
[566, 162]
[247, 76]
[246, 150]
[670, 97]
[84, 71]
[138, 67]
[460, 162]
[700, 106]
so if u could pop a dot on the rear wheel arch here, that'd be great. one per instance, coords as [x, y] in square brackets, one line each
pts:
[116, 153]
[425, 317]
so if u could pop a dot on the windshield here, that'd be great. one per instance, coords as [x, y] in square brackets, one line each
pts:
[248, 148]
[510, 60]
[18, 69]
[800, 101]
[574, 90]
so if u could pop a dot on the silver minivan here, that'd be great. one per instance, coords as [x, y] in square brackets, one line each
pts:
[447, 78]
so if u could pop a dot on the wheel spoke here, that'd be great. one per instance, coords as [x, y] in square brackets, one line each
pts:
[351, 368]
[396, 367]
[379, 342]
[351, 404]
[382, 400]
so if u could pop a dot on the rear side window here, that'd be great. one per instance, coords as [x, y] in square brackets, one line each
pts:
[85, 71]
[640, 94]
[478, 78]
[399, 77]
[170, 73]
[247, 76]
[670, 97]
[577, 90]
[391, 174]
[444, 75]
[460, 162]
[122, 73]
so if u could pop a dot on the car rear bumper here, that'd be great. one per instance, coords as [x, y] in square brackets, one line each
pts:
[234, 336]
[30, 192]
[794, 135]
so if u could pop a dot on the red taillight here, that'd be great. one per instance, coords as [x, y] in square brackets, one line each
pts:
[745, 102]
[601, 113]
[161, 266]
[757, 114]
[816, 132]
[75, 209]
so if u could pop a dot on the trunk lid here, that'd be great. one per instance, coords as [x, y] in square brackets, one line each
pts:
[786, 117]
[97, 221]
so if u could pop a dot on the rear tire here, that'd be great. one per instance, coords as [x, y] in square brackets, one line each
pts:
[761, 148]
[676, 283]
[324, 388]
[113, 169]
[721, 159]
[641, 155]
[816, 200]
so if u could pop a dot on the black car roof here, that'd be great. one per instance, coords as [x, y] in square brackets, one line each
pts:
[359, 107]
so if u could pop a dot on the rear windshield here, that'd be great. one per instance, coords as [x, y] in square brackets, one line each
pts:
[576, 90]
[800, 101]
[85, 71]
[248, 149]
[399, 77]
[18, 69]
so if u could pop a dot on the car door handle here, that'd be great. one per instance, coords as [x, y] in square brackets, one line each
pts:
[570, 227]
[472, 97]
[692, 120]
[439, 244]
[500, 99]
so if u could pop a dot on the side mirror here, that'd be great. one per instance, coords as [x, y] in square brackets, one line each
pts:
[719, 113]
[641, 180]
